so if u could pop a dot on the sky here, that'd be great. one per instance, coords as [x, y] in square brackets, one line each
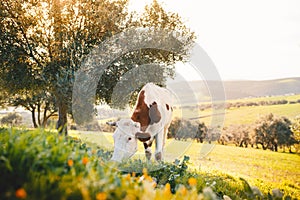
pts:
[246, 39]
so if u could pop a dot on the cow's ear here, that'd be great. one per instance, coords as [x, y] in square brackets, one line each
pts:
[112, 123]
[154, 113]
[143, 137]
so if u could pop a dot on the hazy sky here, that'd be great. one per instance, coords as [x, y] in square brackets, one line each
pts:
[246, 39]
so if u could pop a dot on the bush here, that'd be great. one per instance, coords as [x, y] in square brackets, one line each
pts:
[184, 129]
[11, 119]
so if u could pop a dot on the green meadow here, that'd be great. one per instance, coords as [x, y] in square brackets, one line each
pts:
[244, 114]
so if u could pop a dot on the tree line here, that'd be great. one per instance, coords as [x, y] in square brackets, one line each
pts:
[230, 105]
[268, 132]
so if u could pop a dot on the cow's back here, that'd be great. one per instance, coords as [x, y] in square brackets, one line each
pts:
[152, 97]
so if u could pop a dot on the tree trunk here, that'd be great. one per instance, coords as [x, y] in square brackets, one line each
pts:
[39, 113]
[276, 147]
[33, 118]
[62, 117]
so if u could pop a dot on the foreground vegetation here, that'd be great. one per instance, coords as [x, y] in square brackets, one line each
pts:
[266, 169]
[40, 165]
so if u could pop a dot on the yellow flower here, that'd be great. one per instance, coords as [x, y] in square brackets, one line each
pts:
[145, 172]
[192, 182]
[70, 162]
[167, 190]
[85, 160]
[148, 178]
[101, 196]
[21, 193]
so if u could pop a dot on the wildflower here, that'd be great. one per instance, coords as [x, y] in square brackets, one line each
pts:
[101, 196]
[70, 162]
[167, 190]
[149, 178]
[85, 160]
[145, 172]
[183, 191]
[154, 184]
[192, 182]
[133, 174]
[128, 177]
[21, 193]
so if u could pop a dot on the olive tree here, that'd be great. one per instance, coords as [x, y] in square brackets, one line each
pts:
[44, 42]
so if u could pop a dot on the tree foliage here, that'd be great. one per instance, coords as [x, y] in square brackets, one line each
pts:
[11, 119]
[181, 129]
[296, 131]
[272, 131]
[44, 42]
[269, 132]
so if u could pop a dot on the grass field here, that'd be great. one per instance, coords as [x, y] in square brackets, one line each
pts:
[264, 169]
[258, 167]
[245, 115]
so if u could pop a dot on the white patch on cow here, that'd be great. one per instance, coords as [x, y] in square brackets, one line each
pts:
[162, 97]
[125, 142]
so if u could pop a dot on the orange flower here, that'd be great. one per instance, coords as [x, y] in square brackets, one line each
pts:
[85, 160]
[128, 177]
[21, 193]
[101, 196]
[192, 182]
[183, 191]
[70, 162]
[154, 184]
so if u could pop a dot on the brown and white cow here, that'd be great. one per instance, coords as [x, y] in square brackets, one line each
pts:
[150, 120]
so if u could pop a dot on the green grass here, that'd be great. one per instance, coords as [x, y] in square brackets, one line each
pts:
[271, 98]
[245, 115]
[248, 115]
[258, 167]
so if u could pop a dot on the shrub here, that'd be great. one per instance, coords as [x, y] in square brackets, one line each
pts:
[184, 129]
[12, 119]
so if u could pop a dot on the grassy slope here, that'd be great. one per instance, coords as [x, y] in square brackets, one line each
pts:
[247, 115]
[258, 167]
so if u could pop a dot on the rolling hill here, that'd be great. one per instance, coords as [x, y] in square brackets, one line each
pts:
[188, 91]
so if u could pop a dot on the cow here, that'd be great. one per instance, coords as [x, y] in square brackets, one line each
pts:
[150, 121]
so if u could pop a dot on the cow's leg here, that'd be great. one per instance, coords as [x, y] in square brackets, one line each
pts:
[147, 147]
[159, 145]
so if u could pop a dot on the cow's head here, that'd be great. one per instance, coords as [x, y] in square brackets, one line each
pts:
[125, 139]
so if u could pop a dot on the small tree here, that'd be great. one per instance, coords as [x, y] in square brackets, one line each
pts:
[201, 132]
[272, 132]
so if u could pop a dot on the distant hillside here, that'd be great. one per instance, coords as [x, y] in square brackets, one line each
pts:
[236, 89]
